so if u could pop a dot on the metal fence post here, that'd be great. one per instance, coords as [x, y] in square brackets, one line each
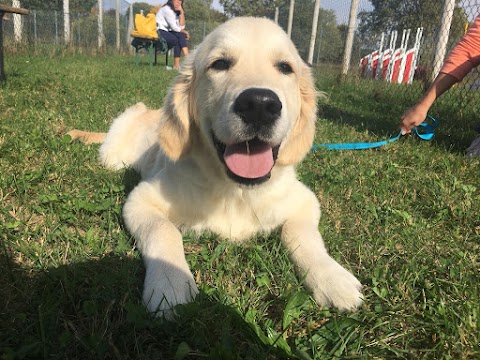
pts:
[79, 33]
[290, 18]
[442, 40]
[17, 22]
[350, 34]
[313, 37]
[129, 25]
[319, 45]
[117, 24]
[55, 14]
[100, 24]
[66, 21]
[35, 26]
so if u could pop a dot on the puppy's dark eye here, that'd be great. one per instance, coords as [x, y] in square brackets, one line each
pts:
[284, 67]
[221, 65]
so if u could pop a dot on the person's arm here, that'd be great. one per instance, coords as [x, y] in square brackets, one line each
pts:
[466, 54]
[187, 34]
[462, 59]
[417, 113]
[171, 19]
[181, 21]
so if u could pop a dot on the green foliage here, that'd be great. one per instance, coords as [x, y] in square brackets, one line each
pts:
[137, 7]
[329, 41]
[394, 15]
[201, 10]
[264, 8]
[75, 5]
[86, 29]
[404, 218]
[201, 19]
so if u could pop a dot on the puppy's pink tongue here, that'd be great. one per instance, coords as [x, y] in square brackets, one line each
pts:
[249, 160]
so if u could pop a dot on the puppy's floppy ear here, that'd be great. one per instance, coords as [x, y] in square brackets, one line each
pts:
[301, 138]
[175, 130]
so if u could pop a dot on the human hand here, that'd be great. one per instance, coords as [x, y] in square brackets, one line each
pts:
[412, 118]
[177, 5]
[187, 34]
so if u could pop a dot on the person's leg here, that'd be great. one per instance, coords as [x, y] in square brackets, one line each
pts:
[182, 42]
[176, 62]
[169, 37]
[182, 46]
[172, 42]
[176, 57]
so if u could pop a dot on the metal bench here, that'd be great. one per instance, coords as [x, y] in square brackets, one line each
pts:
[152, 46]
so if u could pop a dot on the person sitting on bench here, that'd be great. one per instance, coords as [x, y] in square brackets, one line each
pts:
[171, 26]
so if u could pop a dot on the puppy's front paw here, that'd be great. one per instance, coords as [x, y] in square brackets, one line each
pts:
[332, 285]
[166, 286]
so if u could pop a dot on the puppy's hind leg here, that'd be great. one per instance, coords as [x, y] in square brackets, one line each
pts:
[87, 137]
[130, 136]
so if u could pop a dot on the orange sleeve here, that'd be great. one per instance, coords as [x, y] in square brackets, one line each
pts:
[465, 55]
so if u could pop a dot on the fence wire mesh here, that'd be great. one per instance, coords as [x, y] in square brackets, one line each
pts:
[398, 46]
[45, 30]
[414, 36]
[409, 46]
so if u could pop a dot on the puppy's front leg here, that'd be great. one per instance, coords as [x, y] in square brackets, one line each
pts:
[168, 280]
[330, 283]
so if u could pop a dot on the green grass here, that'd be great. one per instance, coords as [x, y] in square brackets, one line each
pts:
[404, 218]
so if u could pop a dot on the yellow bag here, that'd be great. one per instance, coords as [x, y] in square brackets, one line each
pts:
[145, 26]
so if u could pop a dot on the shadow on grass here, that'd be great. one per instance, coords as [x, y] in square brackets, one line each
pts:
[379, 125]
[377, 109]
[447, 135]
[93, 309]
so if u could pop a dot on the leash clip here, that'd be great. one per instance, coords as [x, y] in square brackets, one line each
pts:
[427, 130]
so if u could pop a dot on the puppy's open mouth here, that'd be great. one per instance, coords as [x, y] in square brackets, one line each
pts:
[248, 162]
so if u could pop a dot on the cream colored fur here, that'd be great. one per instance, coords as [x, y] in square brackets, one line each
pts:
[184, 184]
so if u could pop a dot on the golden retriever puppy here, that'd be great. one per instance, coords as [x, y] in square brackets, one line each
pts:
[220, 156]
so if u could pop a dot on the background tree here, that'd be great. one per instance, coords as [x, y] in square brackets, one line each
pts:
[200, 19]
[139, 6]
[75, 5]
[260, 8]
[196, 10]
[388, 15]
[329, 43]
[330, 38]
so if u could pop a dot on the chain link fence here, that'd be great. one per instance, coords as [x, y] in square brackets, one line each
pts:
[398, 47]
[51, 30]
[331, 30]
[106, 27]
[410, 50]
[405, 47]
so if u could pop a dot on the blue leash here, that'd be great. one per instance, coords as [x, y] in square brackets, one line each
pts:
[424, 131]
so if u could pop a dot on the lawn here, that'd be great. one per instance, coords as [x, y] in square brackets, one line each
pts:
[405, 219]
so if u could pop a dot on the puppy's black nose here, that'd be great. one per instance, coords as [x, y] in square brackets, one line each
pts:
[258, 107]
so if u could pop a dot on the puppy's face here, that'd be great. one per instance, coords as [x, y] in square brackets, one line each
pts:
[250, 95]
